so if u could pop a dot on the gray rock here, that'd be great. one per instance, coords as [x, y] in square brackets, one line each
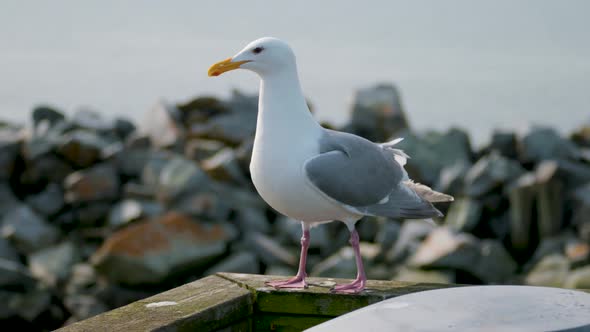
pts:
[378, 271]
[124, 128]
[367, 228]
[489, 173]
[239, 196]
[250, 218]
[89, 119]
[199, 149]
[138, 140]
[101, 182]
[584, 231]
[387, 235]
[7, 250]
[156, 161]
[27, 231]
[134, 190]
[269, 251]
[542, 143]
[82, 148]
[241, 262]
[53, 265]
[433, 151]
[46, 114]
[550, 202]
[410, 237]
[90, 214]
[49, 201]
[452, 179]
[464, 215]
[82, 279]
[153, 251]
[37, 147]
[521, 194]
[573, 174]
[174, 177]
[581, 136]
[162, 124]
[116, 295]
[548, 246]
[578, 278]
[543, 190]
[433, 276]
[578, 253]
[377, 113]
[201, 110]
[14, 274]
[551, 271]
[224, 166]
[131, 161]
[129, 210]
[581, 200]
[27, 306]
[500, 226]
[231, 127]
[84, 306]
[342, 264]
[495, 263]
[10, 146]
[444, 249]
[505, 143]
[7, 199]
[205, 205]
[47, 168]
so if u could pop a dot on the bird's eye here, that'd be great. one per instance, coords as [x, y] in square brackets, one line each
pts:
[257, 50]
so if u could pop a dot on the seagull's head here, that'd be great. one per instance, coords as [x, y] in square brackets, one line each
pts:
[262, 56]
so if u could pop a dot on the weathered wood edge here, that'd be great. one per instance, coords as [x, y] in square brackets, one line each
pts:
[317, 299]
[206, 304]
[226, 300]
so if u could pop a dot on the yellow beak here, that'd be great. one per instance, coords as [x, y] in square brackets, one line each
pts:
[223, 66]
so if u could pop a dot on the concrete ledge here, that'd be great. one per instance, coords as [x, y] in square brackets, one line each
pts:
[242, 302]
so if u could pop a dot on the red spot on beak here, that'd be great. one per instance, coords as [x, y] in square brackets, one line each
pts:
[216, 73]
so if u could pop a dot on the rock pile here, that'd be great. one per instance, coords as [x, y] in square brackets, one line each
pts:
[96, 213]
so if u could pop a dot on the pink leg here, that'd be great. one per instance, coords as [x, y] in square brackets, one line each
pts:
[298, 281]
[361, 279]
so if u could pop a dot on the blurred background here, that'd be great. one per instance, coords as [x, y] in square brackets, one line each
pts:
[124, 168]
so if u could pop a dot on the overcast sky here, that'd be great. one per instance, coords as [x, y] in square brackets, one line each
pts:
[473, 64]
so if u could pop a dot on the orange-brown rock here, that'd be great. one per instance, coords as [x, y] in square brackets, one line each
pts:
[154, 250]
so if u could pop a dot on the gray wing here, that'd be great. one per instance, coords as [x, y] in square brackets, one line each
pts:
[366, 177]
[353, 170]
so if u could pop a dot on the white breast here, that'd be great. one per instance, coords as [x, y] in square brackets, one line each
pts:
[278, 175]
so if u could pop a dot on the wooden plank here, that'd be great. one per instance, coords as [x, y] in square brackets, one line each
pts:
[317, 298]
[207, 304]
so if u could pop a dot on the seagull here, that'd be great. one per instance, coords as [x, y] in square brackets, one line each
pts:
[316, 175]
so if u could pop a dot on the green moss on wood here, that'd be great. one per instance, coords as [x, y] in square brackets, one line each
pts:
[317, 298]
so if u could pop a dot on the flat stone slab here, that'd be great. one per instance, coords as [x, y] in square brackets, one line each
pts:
[472, 308]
